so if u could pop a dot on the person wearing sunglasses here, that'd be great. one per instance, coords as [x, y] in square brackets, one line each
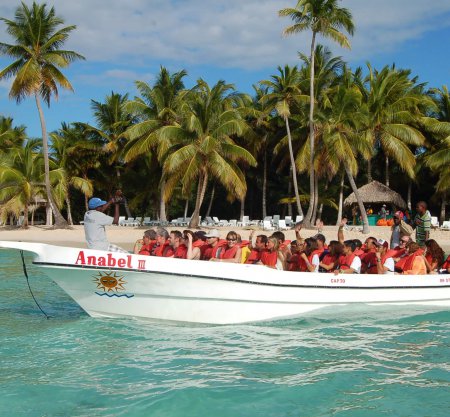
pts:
[231, 252]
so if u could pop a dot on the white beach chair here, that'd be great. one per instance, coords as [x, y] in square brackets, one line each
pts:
[267, 225]
[245, 221]
[446, 225]
[434, 222]
[288, 221]
[282, 225]
[146, 221]
[232, 223]
[121, 221]
[298, 218]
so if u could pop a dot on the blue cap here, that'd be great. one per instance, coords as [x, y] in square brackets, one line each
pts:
[95, 202]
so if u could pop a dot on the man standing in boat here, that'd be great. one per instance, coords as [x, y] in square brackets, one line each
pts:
[95, 221]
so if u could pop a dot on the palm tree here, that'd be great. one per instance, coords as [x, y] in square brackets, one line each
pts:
[71, 152]
[341, 134]
[38, 57]
[112, 121]
[203, 146]
[325, 18]
[284, 93]
[156, 107]
[438, 157]
[10, 136]
[393, 107]
[21, 179]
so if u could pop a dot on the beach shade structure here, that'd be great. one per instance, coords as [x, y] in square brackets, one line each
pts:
[377, 193]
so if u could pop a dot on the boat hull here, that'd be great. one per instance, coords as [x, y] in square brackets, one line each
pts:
[117, 285]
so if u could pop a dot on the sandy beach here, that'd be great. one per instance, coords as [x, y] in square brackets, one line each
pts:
[126, 236]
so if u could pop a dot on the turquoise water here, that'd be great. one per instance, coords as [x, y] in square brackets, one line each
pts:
[346, 364]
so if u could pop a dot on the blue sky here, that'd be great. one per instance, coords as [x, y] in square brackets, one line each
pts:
[235, 40]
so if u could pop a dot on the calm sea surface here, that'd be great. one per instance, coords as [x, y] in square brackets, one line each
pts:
[354, 364]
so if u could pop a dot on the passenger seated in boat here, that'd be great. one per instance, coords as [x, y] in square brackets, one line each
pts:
[256, 249]
[329, 261]
[445, 267]
[283, 246]
[162, 247]
[385, 263]
[145, 245]
[193, 250]
[309, 257]
[321, 246]
[245, 251]
[369, 258]
[177, 243]
[272, 256]
[231, 252]
[292, 264]
[434, 256]
[214, 245]
[359, 251]
[415, 261]
[95, 221]
[349, 263]
[399, 254]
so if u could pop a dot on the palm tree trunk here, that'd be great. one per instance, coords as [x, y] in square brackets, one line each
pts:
[362, 209]
[289, 193]
[319, 213]
[69, 209]
[311, 135]
[294, 169]
[162, 203]
[341, 200]
[443, 204]
[186, 208]
[316, 198]
[202, 183]
[264, 186]
[387, 171]
[241, 216]
[369, 171]
[25, 216]
[213, 191]
[59, 219]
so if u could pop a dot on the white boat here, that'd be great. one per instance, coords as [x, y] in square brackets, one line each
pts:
[107, 284]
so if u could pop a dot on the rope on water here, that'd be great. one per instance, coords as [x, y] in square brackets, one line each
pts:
[29, 287]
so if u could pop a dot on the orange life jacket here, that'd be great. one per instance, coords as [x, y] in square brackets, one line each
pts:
[269, 258]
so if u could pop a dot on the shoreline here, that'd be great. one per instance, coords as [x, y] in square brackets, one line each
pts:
[127, 236]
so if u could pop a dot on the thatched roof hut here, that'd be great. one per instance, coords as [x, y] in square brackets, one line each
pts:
[376, 193]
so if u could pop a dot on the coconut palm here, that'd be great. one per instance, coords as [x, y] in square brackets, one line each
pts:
[38, 37]
[10, 136]
[203, 146]
[325, 18]
[21, 172]
[393, 108]
[340, 131]
[285, 93]
[74, 155]
[156, 107]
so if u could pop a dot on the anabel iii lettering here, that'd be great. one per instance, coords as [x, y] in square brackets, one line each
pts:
[109, 260]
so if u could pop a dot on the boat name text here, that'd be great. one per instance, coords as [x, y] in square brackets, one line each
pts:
[109, 260]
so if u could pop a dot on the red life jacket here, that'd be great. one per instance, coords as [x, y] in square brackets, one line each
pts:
[328, 259]
[429, 258]
[293, 263]
[253, 257]
[228, 253]
[446, 264]
[164, 250]
[359, 252]
[346, 261]
[147, 249]
[370, 262]
[302, 267]
[181, 252]
[213, 252]
[410, 260]
[269, 258]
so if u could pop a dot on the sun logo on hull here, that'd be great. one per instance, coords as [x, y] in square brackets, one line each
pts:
[109, 281]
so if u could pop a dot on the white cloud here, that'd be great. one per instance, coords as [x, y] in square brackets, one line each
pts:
[227, 33]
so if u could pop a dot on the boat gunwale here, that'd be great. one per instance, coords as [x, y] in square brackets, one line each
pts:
[242, 281]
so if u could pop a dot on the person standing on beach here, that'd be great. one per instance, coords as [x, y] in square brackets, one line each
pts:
[95, 221]
[423, 223]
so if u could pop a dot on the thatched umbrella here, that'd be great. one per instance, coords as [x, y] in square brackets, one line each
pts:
[375, 193]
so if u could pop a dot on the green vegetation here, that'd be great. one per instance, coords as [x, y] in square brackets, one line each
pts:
[292, 143]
